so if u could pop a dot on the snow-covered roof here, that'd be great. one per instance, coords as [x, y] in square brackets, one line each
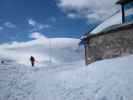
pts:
[110, 29]
[113, 20]
[117, 27]
[112, 23]
[116, 19]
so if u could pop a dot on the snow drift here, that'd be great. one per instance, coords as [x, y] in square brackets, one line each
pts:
[104, 80]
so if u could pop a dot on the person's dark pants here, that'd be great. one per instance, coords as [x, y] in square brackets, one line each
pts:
[32, 63]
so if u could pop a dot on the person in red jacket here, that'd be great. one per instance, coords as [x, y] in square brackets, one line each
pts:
[32, 60]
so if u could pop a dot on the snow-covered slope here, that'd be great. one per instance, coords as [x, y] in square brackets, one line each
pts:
[57, 50]
[105, 80]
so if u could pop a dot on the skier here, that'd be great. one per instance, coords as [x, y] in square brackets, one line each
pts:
[32, 60]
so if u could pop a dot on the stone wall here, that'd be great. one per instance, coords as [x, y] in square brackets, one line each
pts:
[109, 45]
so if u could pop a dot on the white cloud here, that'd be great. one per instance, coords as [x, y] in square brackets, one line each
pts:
[71, 4]
[72, 15]
[36, 35]
[9, 25]
[36, 26]
[41, 26]
[129, 12]
[31, 22]
[93, 16]
[1, 28]
[91, 9]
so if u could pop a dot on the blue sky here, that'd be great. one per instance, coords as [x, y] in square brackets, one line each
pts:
[53, 18]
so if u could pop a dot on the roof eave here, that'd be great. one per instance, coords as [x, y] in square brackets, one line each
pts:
[122, 2]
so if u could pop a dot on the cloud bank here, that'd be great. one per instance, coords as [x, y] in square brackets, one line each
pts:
[90, 9]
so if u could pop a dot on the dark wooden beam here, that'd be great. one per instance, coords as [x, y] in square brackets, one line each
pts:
[124, 1]
[123, 13]
[86, 52]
